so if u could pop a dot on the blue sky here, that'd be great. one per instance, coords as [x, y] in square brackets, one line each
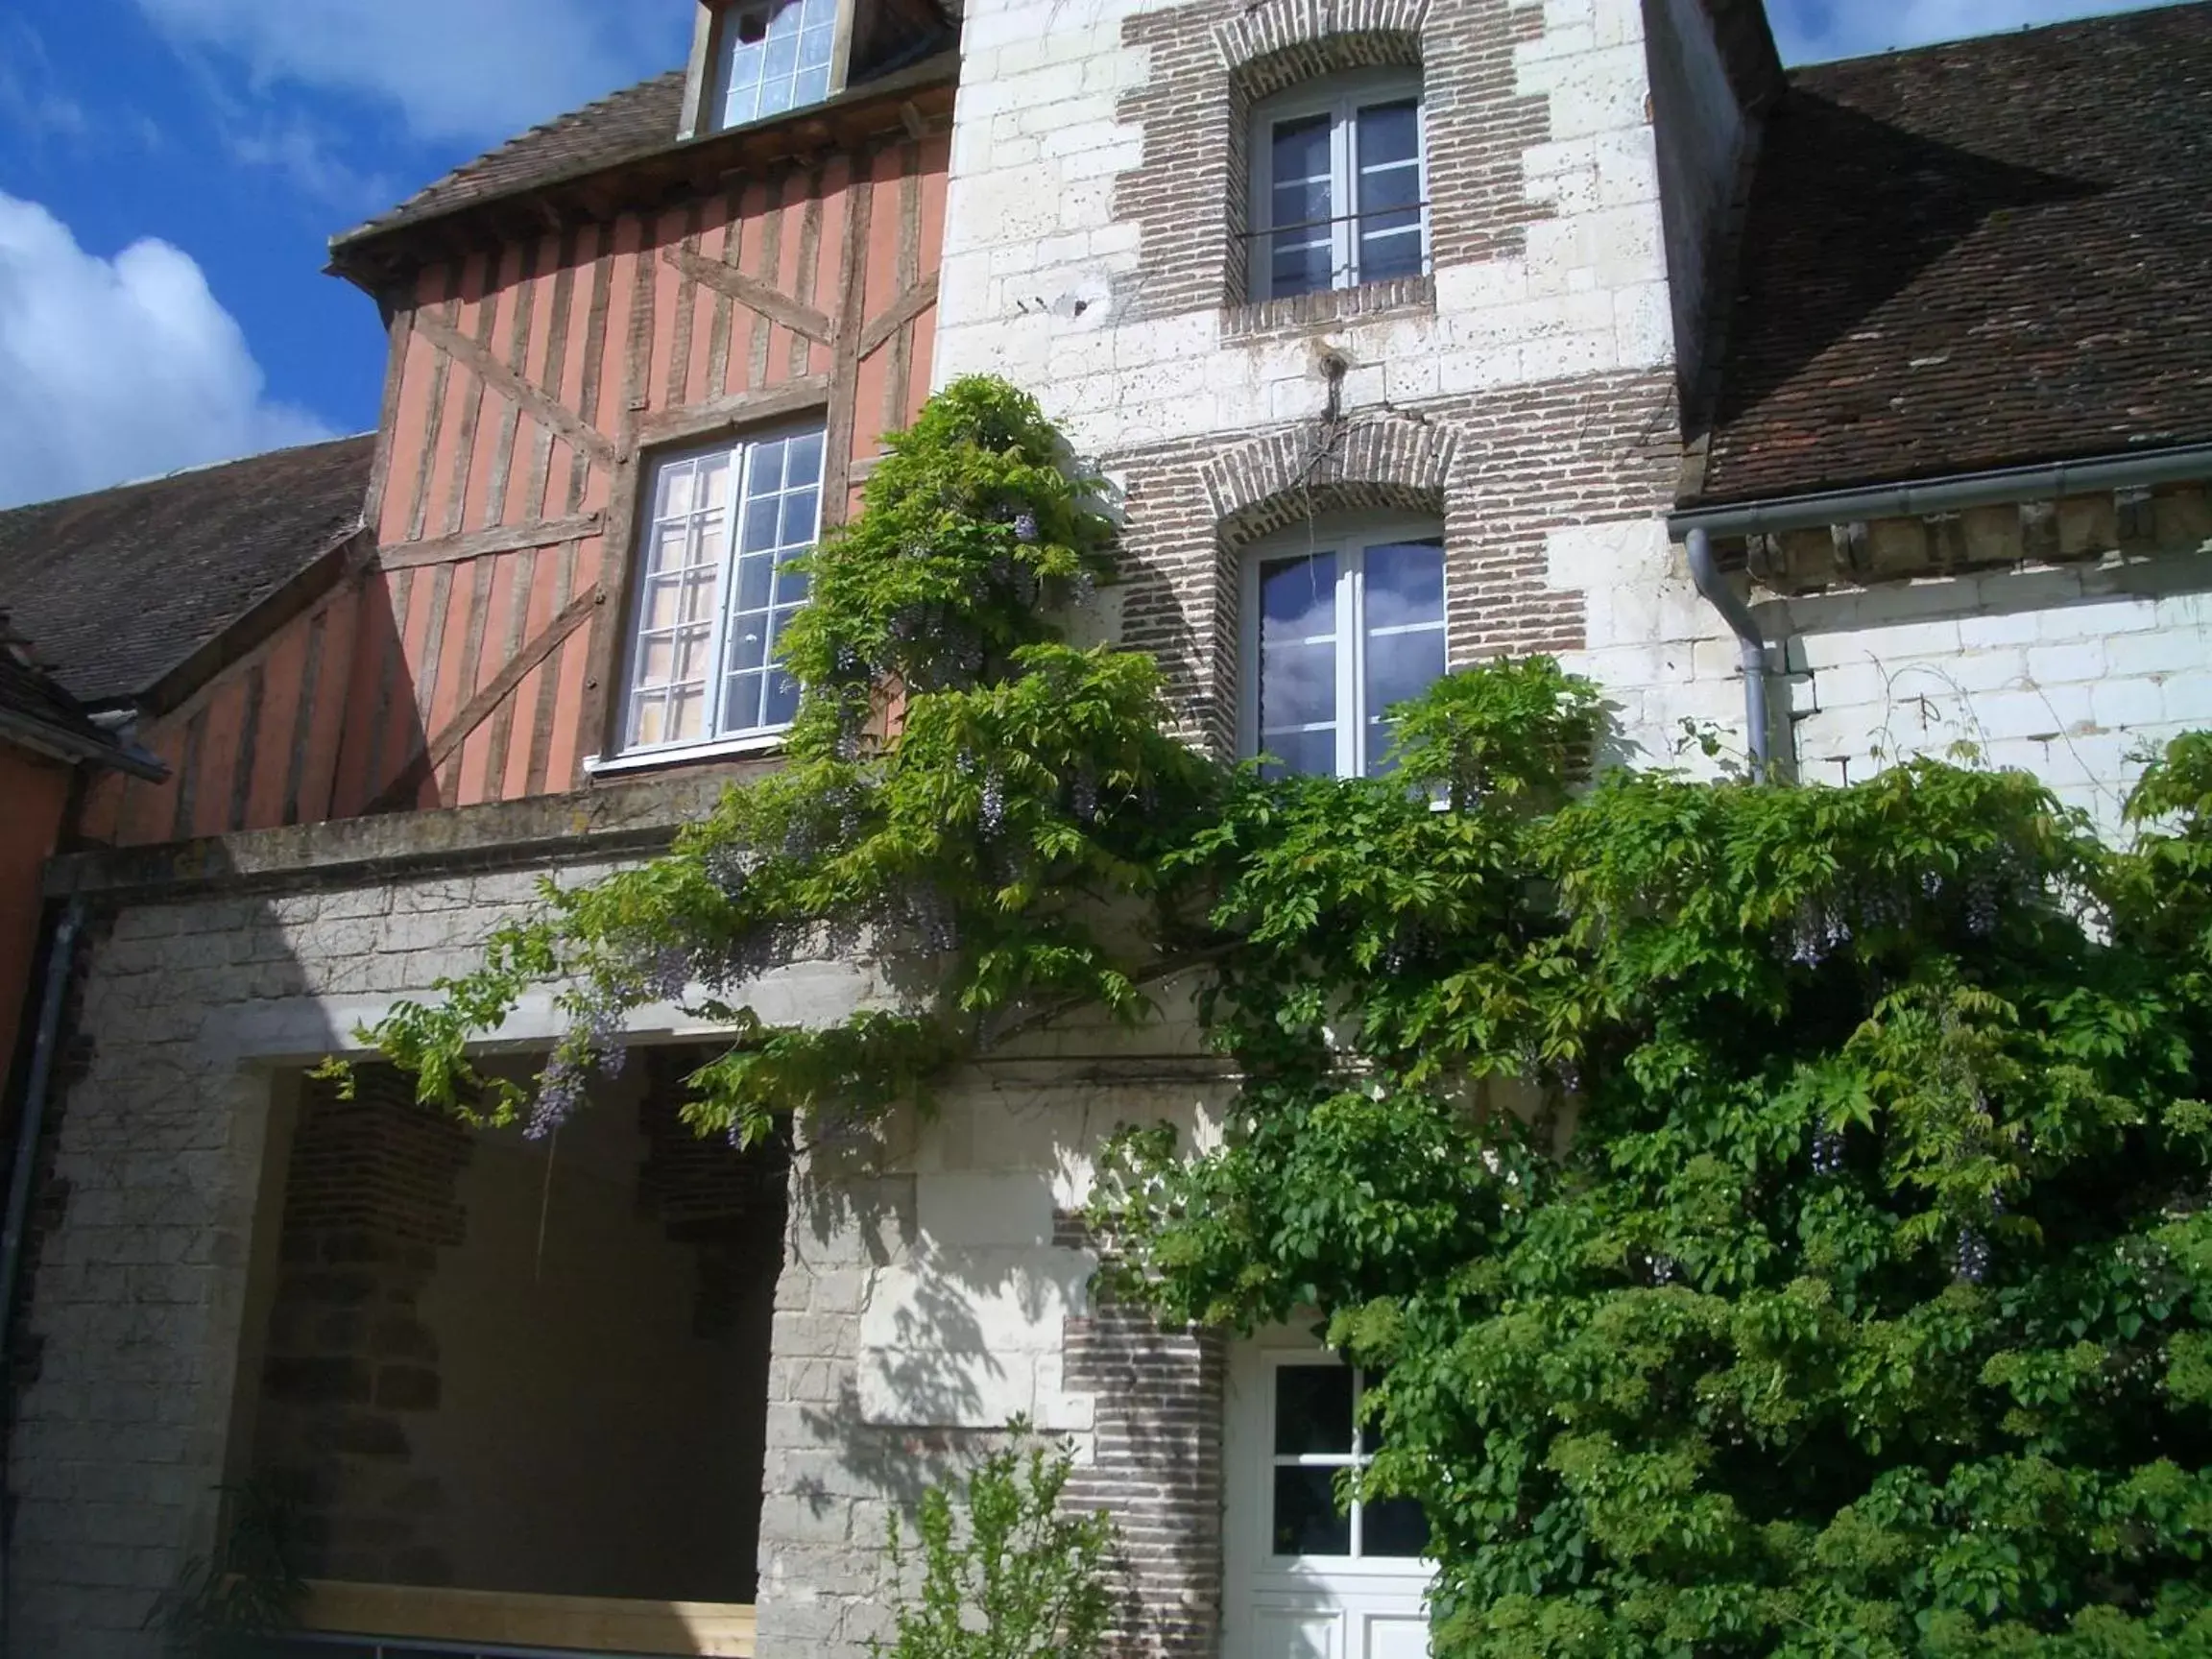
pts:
[170, 171]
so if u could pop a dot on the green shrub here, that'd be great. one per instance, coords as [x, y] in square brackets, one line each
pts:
[1004, 1574]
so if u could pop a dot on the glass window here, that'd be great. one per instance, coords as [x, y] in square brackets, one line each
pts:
[1339, 197]
[1344, 632]
[1316, 1436]
[771, 56]
[714, 598]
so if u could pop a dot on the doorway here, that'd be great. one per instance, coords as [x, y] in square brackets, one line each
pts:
[1305, 1579]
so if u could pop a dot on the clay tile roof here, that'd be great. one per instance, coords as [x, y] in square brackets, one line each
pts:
[1985, 255]
[120, 588]
[624, 125]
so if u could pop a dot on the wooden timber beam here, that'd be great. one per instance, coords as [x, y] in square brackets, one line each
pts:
[749, 291]
[497, 374]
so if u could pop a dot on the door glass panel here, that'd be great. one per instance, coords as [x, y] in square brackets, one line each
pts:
[1313, 1412]
[1393, 1528]
[1306, 1520]
[1298, 1634]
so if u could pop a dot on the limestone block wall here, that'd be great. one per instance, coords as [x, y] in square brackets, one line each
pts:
[934, 1284]
[2058, 637]
[1524, 386]
[151, 1193]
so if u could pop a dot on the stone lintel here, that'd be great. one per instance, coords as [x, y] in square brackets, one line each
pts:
[590, 825]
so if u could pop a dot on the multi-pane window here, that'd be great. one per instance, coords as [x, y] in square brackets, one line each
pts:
[1316, 1436]
[1340, 627]
[712, 598]
[1338, 195]
[771, 56]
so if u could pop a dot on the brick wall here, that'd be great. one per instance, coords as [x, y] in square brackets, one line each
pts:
[349, 1365]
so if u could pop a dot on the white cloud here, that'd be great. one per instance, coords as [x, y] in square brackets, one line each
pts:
[455, 69]
[1815, 30]
[117, 368]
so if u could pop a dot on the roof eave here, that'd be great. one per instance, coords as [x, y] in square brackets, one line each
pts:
[1776, 514]
[78, 748]
[373, 257]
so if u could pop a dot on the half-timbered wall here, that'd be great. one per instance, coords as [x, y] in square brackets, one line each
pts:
[469, 655]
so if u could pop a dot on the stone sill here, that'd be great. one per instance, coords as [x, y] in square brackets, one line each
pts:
[1404, 293]
[399, 1612]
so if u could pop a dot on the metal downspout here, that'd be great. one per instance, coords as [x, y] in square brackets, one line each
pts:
[60, 960]
[1725, 599]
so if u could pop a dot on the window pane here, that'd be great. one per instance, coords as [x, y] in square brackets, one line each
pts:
[1300, 753]
[761, 517]
[791, 588]
[756, 576]
[749, 642]
[1389, 133]
[1305, 1521]
[800, 508]
[766, 474]
[1394, 1529]
[1313, 1411]
[814, 47]
[1404, 583]
[802, 460]
[1301, 150]
[742, 706]
[1391, 250]
[1400, 667]
[1298, 598]
[783, 706]
[1387, 189]
[1301, 204]
[1300, 266]
[1297, 686]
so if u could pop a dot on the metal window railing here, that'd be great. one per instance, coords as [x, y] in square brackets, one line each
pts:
[1421, 206]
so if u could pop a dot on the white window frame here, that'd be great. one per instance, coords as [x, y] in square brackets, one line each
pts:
[1339, 97]
[1349, 536]
[741, 451]
[715, 97]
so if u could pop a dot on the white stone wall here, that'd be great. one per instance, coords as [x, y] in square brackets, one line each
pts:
[2065, 670]
[1039, 272]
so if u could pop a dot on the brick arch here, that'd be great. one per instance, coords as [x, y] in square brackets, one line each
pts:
[1278, 44]
[1390, 464]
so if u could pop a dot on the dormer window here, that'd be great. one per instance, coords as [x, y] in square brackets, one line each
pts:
[771, 55]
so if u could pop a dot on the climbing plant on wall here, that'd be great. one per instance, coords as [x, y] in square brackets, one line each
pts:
[1777, 1215]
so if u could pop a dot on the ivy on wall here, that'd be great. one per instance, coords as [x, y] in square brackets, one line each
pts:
[1778, 1214]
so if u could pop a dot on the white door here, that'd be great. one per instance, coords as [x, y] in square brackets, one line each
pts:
[1305, 1580]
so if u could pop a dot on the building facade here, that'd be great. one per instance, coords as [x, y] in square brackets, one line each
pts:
[1407, 333]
